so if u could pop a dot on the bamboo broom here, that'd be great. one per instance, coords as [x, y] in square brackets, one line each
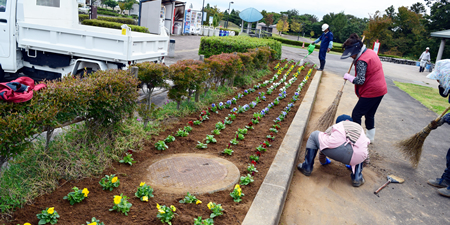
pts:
[327, 118]
[412, 147]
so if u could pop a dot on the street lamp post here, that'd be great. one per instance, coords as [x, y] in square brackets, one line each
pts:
[203, 8]
[229, 6]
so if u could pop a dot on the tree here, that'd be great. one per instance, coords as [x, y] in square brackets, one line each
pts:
[285, 26]
[418, 8]
[296, 27]
[280, 26]
[111, 3]
[438, 18]
[312, 33]
[269, 19]
[390, 12]
[378, 29]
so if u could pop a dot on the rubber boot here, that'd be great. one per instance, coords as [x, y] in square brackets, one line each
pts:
[307, 166]
[357, 177]
[420, 70]
[323, 159]
[371, 135]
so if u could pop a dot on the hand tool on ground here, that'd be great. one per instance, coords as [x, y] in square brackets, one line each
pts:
[391, 179]
[412, 147]
[327, 118]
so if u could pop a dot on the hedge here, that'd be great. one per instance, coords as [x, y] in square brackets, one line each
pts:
[299, 43]
[216, 45]
[118, 20]
[104, 98]
[100, 23]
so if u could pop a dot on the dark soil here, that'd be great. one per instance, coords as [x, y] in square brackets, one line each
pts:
[99, 202]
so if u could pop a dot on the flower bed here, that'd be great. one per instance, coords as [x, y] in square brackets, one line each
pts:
[270, 125]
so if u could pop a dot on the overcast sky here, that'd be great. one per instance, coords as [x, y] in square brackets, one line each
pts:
[361, 8]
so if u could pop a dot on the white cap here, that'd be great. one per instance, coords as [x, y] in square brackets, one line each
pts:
[428, 48]
[325, 26]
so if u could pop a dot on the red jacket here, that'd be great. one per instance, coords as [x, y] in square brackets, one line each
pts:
[19, 90]
[375, 83]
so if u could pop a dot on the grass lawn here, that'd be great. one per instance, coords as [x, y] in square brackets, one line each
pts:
[428, 96]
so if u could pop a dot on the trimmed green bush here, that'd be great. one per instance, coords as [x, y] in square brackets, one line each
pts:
[108, 12]
[216, 45]
[118, 20]
[100, 23]
[299, 43]
[104, 97]
[82, 17]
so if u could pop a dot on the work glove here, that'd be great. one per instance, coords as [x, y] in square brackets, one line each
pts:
[444, 119]
[349, 77]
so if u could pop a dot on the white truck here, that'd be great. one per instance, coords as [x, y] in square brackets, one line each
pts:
[44, 40]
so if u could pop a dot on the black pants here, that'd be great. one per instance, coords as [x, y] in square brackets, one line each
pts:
[366, 107]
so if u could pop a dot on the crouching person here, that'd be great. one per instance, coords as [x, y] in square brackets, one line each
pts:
[345, 142]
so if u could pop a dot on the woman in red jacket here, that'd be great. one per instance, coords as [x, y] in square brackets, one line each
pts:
[370, 84]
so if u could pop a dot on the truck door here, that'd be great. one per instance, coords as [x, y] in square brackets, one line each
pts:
[4, 29]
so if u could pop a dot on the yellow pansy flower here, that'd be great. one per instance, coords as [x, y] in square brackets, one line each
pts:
[158, 207]
[114, 180]
[51, 210]
[26, 224]
[198, 202]
[145, 199]
[173, 208]
[210, 205]
[142, 184]
[161, 211]
[237, 186]
[117, 199]
[239, 192]
[94, 223]
[85, 192]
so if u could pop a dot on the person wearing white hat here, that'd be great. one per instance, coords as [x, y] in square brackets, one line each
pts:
[424, 58]
[326, 45]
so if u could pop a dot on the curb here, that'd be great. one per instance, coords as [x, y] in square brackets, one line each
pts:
[269, 202]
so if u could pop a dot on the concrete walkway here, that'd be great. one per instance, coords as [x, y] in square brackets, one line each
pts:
[327, 197]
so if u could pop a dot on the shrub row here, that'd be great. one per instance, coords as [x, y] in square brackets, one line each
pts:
[216, 45]
[118, 20]
[191, 76]
[299, 43]
[104, 98]
[114, 25]
[108, 12]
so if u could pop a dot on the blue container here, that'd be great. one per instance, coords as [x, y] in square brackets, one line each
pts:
[428, 66]
[221, 33]
[417, 63]
[227, 33]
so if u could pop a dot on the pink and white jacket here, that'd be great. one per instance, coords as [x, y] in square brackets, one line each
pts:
[337, 135]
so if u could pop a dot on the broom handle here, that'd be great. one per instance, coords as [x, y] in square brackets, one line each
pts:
[384, 185]
[351, 65]
[443, 113]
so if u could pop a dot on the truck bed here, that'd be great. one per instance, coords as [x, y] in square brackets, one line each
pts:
[92, 42]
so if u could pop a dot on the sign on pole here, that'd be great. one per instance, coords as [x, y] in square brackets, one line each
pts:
[376, 46]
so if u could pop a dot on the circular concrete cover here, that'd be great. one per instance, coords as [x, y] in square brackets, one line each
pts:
[194, 173]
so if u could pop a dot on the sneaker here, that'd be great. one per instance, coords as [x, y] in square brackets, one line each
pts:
[444, 191]
[439, 182]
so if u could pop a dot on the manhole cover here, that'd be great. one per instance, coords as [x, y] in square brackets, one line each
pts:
[195, 173]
